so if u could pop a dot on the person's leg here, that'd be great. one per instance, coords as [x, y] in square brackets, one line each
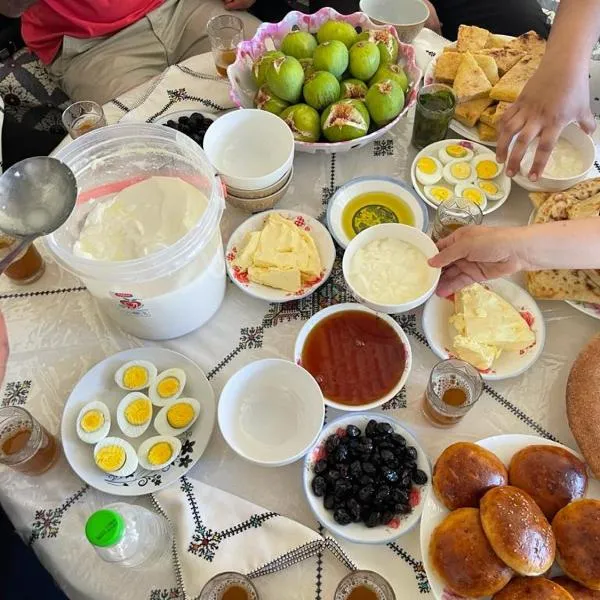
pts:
[508, 17]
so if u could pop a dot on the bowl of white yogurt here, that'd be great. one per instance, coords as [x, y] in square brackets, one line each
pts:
[569, 162]
[386, 268]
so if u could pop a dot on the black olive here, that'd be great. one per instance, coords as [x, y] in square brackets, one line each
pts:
[371, 427]
[386, 516]
[342, 488]
[365, 480]
[366, 445]
[329, 502]
[406, 481]
[333, 475]
[319, 485]
[366, 494]
[333, 441]
[375, 457]
[382, 494]
[352, 431]
[356, 469]
[341, 453]
[184, 120]
[384, 429]
[373, 519]
[387, 455]
[344, 471]
[420, 477]
[398, 440]
[320, 467]
[387, 446]
[369, 468]
[341, 517]
[410, 465]
[171, 123]
[411, 453]
[197, 138]
[197, 116]
[399, 496]
[389, 474]
[353, 509]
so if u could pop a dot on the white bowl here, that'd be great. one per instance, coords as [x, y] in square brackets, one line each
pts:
[350, 306]
[407, 16]
[271, 412]
[580, 140]
[363, 185]
[408, 234]
[251, 149]
[359, 532]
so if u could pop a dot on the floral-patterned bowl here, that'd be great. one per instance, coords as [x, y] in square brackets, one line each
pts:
[243, 85]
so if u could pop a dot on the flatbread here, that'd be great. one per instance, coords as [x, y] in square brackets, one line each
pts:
[560, 284]
[488, 66]
[505, 59]
[500, 110]
[487, 116]
[585, 209]
[487, 133]
[530, 43]
[538, 198]
[512, 83]
[495, 41]
[471, 38]
[556, 206]
[446, 66]
[468, 113]
[470, 82]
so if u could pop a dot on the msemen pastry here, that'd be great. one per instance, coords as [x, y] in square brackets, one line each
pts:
[517, 530]
[577, 531]
[533, 588]
[551, 475]
[583, 403]
[463, 558]
[464, 472]
[578, 591]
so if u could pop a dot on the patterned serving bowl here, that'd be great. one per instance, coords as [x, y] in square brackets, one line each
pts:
[244, 88]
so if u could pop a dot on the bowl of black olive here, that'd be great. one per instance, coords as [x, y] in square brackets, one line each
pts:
[192, 123]
[366, 479]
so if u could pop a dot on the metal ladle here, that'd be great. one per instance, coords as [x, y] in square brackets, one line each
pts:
[37, 195]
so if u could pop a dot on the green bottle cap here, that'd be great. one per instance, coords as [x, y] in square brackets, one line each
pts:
[105, 528]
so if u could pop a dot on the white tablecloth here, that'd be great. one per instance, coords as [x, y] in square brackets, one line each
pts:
[57, 333]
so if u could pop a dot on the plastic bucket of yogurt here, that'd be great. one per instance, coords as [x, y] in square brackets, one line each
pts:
[144, 237]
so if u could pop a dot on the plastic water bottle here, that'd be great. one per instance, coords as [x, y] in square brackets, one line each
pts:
[128, 535]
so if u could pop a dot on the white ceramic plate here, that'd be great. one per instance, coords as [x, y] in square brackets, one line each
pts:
[362, 185]
[98, 383]
[433, 149]
[359, 532]
[174, 116]
[434, 512]
[439, 332]
[469, 133]
[255, 223]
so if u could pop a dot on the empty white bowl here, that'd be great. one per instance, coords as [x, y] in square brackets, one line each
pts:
[410, 235]
[581, 141]
[364, 185]
[251, 149]
[407, 16]
[271, 412]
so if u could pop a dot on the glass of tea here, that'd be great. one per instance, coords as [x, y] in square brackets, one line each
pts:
[364, 585]
[82, 117]
[28, 267]
[433, 112]
[225, 32]
[25, 445]
[453, 389]
[452, 214]
[229, 586]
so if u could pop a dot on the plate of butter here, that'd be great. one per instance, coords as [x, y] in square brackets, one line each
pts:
[496, 326]
[280, 255]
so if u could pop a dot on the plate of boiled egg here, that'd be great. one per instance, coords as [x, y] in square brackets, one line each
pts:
[460, 169]
[138, 421]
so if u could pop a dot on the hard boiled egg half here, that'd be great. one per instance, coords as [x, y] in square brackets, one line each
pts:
[93, 422]
[455, 152]
[136, 375]
[177, 416]
[428, 170]
[134, 414]
[471, 193]
[486, 166]
[167, 386]
[491, 189]
[158, 452]
[115, 456]
[438, 193]
[458, 171]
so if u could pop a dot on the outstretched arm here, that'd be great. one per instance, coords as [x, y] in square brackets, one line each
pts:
[558, 92]
[15, 8]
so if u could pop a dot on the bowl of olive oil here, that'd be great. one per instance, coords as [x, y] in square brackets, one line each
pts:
[368, 201]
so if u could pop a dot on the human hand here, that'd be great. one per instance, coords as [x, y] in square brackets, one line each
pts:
[238, 4]
[547, 104]
[433, 22]
[476, 253]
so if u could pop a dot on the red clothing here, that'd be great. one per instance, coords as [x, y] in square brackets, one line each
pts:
[47, 21]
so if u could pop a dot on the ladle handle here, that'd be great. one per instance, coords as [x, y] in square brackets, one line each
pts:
[6, 261]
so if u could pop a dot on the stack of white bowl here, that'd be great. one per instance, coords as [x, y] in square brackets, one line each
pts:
[253, 152]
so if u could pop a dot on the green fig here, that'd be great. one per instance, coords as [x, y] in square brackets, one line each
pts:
[337, 30]
[285, 77]
[321, 89]
[345, 120]
[299, 44]
[308, 66]
[394, 72]
[260, 66]
[304, 122]
[265, 99]
[385, 101]
[354, 89]
[386, 42]
[331, 56]
[364, 60]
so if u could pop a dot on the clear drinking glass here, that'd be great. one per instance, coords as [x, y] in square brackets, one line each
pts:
[29, 267]
[225, 32]
[81, 117]
[229, 586]
[365, 581]
[452, 214]
[453, 389]
[433, 112]
[25, 445]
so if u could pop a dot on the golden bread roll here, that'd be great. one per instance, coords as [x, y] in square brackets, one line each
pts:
[578, 591]
[464, 472]
[552, 476]
[577, 531]
[517, 530]
[583, 403]
[463, 558]
[533, 588]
